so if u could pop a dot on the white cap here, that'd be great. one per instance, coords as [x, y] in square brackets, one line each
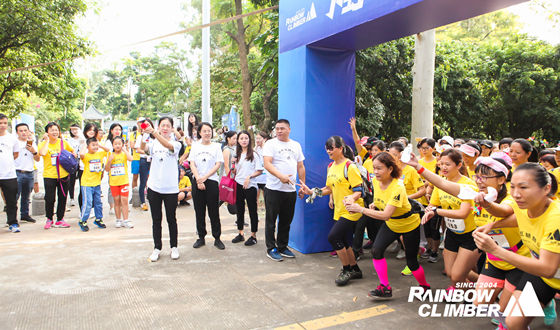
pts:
[448, 139]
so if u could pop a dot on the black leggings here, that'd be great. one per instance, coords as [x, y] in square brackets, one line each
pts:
[386, 236]
[372, 226]
[207, 199]
[341, 232]
[79, 177]
[170, 203]
[55, 189]
[249, 195]
[72, 184]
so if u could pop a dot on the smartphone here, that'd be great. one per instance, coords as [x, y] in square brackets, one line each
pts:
[29, 143]
[144, 125]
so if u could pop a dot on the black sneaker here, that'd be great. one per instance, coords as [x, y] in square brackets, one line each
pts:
[355, 273]
[238, 238]
[368, 245]
[199, 242]
[286, 253]
[99, 223]
[83, 225]
[251, 241]
[343, 278]
[382, 292]
[28, 218]
[219, 244]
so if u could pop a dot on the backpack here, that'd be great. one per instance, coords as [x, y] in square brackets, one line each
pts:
[367, 187]
[65, 159]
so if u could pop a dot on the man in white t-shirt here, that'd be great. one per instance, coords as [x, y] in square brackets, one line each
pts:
[9, 151]
[24, 168]
[283, 159]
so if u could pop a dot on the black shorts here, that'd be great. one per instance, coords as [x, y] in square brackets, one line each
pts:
[513, 276]
[454, 241]
[544, 292]
[261, 185]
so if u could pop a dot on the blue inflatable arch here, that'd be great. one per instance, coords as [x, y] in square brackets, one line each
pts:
[318, 41]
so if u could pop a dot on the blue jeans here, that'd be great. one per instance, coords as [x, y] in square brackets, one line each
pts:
[25, 182]
[144, 172]
[91, 197]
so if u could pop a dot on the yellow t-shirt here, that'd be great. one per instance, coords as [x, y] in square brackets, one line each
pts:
[93, 168]
[363, 152]
[368, 165]
[412, 182]
[556, 173]
[507, 237]
[431, 166]
[395, 194]
[471, 173]
[49, 160]
[341, 187]
[135, 155]
[184, 182]
[118, 174]
[450, 202]
[542, 232]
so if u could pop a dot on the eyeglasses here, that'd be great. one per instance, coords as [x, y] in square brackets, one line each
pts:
[484, 178]
[329, 148]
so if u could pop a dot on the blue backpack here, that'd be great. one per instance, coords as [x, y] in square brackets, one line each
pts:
[65, 159]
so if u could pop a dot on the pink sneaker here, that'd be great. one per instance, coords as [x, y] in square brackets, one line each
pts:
[61, 224]
[48, 224]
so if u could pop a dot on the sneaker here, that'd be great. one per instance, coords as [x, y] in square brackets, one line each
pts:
[61, 224]
[334, 254]
[401, 255]
[382, 292]
[155, 255]
[502, 327]
[434, 257]
[356, 273]
[68, 209]
[421, 251]
[287, 253]
[550, 313]
[144, 207]
[274, 255]
[111, 211]
[368, 245]
[72, 202]
[27, 218]
[118, 224]
[406, 271]
[219, 244]
[99, 223]
[128, 224]
[426, 254]
[441, 245]
[393, 247]
[251, 241]
[238, 238]
[343, 278]
[174, 253]
[199, 242]
[495, 322]
[14, 228]
[83, 225]
[48, 224]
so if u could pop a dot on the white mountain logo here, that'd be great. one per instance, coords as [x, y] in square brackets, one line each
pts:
[527, 305]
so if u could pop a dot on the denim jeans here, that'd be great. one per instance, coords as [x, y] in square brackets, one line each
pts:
[144, 172]
[91, 197]
[25, 186]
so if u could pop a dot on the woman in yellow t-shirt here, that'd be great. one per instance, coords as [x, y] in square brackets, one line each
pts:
[56, 182]
[460, 254]
[491, 172]
[344, 182]
[391, 205]
[536, 215]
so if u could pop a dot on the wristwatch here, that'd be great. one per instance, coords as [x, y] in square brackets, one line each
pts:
[435, 210]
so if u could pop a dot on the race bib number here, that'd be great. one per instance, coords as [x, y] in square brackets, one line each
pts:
[117, 169]
[455, 225]
[499, 237]
[95, 165]
[53, 159]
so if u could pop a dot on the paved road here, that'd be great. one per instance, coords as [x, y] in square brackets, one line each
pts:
[67, 279]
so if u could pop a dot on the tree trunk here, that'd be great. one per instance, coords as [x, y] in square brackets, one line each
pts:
[247, 83]
[265, 124]
[423, 86]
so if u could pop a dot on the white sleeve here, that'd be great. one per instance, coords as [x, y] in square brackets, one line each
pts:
[268, 149]
[301, 157]
[192, 153]
[16, 145]
[219, 154]
[176, 147]
[259, 166]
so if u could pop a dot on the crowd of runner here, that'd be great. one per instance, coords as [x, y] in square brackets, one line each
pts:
[490, 206]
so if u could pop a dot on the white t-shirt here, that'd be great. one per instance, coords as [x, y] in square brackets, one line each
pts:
[164, 171]
[109, 145]
[8, 145]
[285, 157]
[244, 168]
[139, 141]
[75, 143]
[205, 156]
[25, 161]
[261, 179]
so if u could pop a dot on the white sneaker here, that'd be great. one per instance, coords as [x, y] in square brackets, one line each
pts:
[72, 202]
[111, 211]
[174, 253]
[155, 255]
[128, 224]
[394, 247]
[118, 224]
[401, 254]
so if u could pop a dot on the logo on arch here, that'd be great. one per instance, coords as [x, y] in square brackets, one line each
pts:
[526, 305]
